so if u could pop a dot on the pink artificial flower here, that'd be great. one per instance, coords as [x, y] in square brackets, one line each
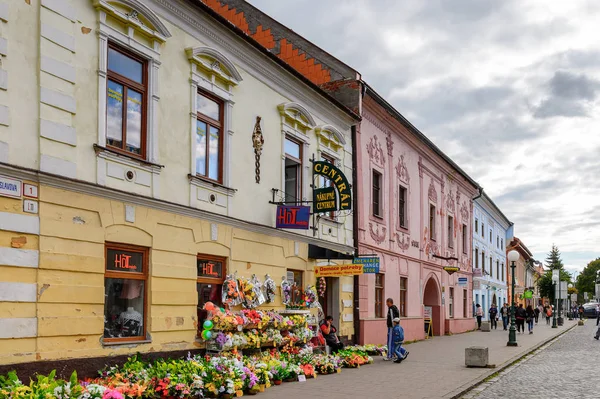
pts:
[112, 394]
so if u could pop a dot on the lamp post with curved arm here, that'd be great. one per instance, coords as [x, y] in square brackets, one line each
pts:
[513, 256]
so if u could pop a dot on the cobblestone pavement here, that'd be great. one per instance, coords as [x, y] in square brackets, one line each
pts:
[564, 368]
[434, 369]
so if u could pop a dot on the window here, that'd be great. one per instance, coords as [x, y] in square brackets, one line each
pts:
[209, 283]
[497, 269]
[450, 231]
[491, 267]
[376, 199]
[432, 222]
[502, 271]
[502, 243]
[125, 279]
[476, 258]
[402, 206]
[498, 241]
[491, 236]
[483, 230]
[451, 304]
[126, 87]
[325, 182]
[464, 238]
[209, 137]
[403, 291]
[465, 304]
[483, 262]
[379, 281]
[296, 278]
[293, 171]
[476, 226]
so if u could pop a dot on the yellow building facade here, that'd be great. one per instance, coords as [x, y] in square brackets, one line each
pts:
[141, 141]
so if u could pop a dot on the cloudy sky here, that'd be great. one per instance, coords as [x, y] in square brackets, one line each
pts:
[509, 89]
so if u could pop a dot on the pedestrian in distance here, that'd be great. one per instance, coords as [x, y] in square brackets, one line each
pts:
[521, 316]
[493, 312]
[392, 314]
[479, 315]
[398, 340]
[530, 318]
[536, 313]
[505, 314]
[581, 310]
[548, 315]
[541, 312]
[597, 336]
[597, 314]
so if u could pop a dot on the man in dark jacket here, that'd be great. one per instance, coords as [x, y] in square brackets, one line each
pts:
[392, 313]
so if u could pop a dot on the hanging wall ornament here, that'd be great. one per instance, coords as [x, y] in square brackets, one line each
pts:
[257, 142]
[259, 296]
[269, 289]
[286, 291]
[322, 287]
[231, 294]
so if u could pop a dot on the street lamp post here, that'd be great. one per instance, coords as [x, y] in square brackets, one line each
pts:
[513, 256]
[570, 313]
[554, 280]
[560, 320]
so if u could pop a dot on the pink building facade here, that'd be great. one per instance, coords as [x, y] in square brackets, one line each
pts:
[414, 205]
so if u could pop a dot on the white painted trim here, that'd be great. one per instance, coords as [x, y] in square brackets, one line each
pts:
[58, 166]
[291, 108]
[233, 76]
[3, 79]
[19, 257]
[58, 132]
[61, 7]
[4, 12]
[3, 152]
[322, 129]
[58, 100]
[57, 68]
[4, 115]
[25, 327]
[18, 292]
[161, 32]
[58, 37]
[3, 46]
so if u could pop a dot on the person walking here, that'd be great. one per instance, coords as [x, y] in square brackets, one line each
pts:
[581, 310]
[530, 318]
[536, 313]
[521, 316]
[479, 315]
[493, 312]
[392, 313]
[597, 314]
[541, 312]
[398, 339]
[505, 312]
[548, 314]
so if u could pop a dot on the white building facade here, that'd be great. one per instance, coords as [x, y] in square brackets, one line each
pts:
[490, 227]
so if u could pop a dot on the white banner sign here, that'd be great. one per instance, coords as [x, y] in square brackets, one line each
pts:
[10, 187]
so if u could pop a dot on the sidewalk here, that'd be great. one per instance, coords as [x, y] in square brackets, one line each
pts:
[434, 369]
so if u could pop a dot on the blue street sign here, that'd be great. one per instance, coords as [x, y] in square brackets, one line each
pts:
[370, 265]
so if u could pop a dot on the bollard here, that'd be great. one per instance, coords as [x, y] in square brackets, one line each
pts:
[476, 356]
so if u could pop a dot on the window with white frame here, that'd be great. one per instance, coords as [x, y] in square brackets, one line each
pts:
[127, 74]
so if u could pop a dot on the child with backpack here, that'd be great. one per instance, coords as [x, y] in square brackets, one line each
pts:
[398, 340]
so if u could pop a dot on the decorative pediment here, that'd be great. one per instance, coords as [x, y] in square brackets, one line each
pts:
[135, 14]
[375, 151]
[214, 63]
[330, 137]
[432, 193]
[298, 115]
[402, 170]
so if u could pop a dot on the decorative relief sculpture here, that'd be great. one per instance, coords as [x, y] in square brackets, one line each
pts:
[450, 201]
[403, 243]
[389, 143]
[402, 170]
[464, 212]
[376, 235]
[432, 192]
[375, 151]
[257, 142]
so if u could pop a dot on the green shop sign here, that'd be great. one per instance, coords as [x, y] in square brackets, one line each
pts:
[325, 199]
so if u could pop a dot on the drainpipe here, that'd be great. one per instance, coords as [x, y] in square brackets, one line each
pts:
[356, 312]
[480, 189]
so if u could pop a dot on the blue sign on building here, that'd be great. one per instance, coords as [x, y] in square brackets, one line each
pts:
[370, 265]
[292, 217]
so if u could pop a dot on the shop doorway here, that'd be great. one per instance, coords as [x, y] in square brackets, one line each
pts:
[431, 298]
[494, 302]
[331, 301]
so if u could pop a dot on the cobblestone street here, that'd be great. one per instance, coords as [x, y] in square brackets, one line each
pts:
[565, 368]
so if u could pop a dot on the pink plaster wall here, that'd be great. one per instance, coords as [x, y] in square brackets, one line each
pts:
[387, 146]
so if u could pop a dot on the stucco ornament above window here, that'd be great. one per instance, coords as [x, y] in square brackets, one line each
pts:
[450, 202]
[402, 170]
[432, 192]
[137, 15]
[330, 137]
[296, 116]
[214, 64]
[375, 151]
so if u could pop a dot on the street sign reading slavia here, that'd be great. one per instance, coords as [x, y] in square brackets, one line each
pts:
[370, 265]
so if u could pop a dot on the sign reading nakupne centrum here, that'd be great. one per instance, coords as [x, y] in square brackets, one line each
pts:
[323, 200]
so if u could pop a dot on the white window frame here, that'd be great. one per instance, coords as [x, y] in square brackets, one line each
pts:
[224, 70]
[128, 42]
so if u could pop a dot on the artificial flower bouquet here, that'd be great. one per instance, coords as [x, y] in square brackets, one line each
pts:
[231, 294]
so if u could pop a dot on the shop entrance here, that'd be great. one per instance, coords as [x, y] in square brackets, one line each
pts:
[331, 301]
[431, 298]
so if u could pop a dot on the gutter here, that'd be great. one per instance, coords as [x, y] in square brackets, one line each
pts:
[273, 57]
[355, 289]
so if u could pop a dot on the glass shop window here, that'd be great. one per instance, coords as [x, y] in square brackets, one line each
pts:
[209, 283]
[125, 280]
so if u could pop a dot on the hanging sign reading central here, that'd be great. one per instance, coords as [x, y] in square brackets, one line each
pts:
[324, 199]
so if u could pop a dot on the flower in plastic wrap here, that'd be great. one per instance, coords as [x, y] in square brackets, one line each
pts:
[269, 289]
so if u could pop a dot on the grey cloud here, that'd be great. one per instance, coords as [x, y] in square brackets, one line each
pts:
[531, 191]
[570, 96]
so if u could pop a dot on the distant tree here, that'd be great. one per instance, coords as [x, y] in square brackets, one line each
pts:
[546, 285]
[586, 280]
[553, 260]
